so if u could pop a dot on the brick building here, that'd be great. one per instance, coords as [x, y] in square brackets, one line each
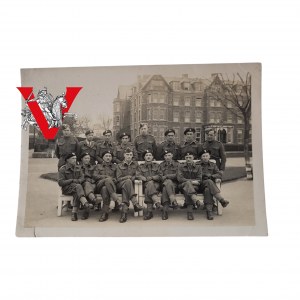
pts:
[174, 102]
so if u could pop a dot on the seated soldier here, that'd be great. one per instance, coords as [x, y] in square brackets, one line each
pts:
[168, 170]
[105, 178]
[89, 184]
[208, 187]
[126, 172]
[150, 175]
[70, 178]
[189, 176]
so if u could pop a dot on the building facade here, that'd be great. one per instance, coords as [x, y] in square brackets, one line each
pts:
[178, 103]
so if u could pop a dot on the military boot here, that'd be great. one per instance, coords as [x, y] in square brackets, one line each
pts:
[86, 212]
[74, 216]
[124, 209]
[149, 214]
[224, 202]
[209, 215]
[103, 217]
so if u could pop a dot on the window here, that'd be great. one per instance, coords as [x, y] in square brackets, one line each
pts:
[198, 102]
[161, 98]
[217, 117]
[211, 117]
[187, 101]
[187, 117]
[186, 86]
[159, 113]
[229, 117]
[155, 131]
[240, 136]
[229, 136]
[155, 114]
[198, 116]
[149, 98]
[239, 120]
[175, 85]
[176, 100]
[154, 97]
[198, 134]
[218, 103]
[117, 107]
[149, 114]
[177, 134]
[117, 120]
[212, 102]
[176, 116]
[197, 86]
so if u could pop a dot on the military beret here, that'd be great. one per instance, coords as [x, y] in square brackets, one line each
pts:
[124, 134]
[128, 150]
[189, 130]
[168, 131]
[209, 129]
[89, 132]
[83, 155]
[205, 151]
[65, 126]
[167, 151]
[106, 132]
[147, 151]
[107, 151]
[143, 124]
[70, 155]
[189, 153]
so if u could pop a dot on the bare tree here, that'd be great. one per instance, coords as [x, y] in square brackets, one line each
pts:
[235, 95]
[105, 121]
[83, 124]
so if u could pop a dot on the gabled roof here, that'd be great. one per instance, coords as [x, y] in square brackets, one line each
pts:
[124, 91]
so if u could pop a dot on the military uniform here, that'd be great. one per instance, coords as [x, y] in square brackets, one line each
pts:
[143, 143]
[120, 150]
[217, 153]
[88, 147]
[64, 146]
[168, 146]
[185, 175]
[70, 179]
[89, 183]
[103, 147]
[190, 147]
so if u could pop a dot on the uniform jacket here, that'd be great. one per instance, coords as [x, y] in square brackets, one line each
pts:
[169, 170]
[68, 174]
[217, 152]
[186, 172]
[119, 152]
[209, 170]
[88, 171]
[149, 169]
[143, 143]
[66, 145]
[172, 146]
[84, 147]
[126, 171]
[190, 147]
[104, 170]
[102, 147]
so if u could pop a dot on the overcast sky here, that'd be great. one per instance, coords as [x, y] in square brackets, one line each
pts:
[100, 84]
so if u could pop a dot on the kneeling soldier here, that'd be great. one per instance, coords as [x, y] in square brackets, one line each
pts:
[189, 176]
[70, 178]
[210, 173]
[89, 183]
[168, 170]
[150, 174]
[105, 177]
[126, 172]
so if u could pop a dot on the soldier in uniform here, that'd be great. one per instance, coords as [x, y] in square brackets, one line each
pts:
[168, 169]
[70, 178]
[126, 174]
[216, 148]
[210, 173]
[120, 149]
[89, 183]
[189, 176]
[150, 174]
[65, 145]
[190, 145]
[106, 145]
[88, 146]
[144, 142]
[170, 145]
[105, 178]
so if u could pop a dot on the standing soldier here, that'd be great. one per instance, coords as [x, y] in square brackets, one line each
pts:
[150, 175]
[65, 145]
[120, 149]
[168, 169]
[190, 145]
[106, 145]
[105, 178]
[88, 146]
[169, 145]
[210, 173]
[89, 183]
[189, 176]
[144, 142]
[126, 172]
[216, 148]
[70, 178]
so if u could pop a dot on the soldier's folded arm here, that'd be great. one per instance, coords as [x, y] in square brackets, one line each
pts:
[171, 176]
[62, 181]
[180, 176]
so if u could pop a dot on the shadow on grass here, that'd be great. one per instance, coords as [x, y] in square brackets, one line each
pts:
[231, 173]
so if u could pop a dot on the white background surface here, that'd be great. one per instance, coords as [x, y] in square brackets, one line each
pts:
[94, 33]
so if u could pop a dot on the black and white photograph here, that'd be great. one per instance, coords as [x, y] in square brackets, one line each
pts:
[167, 150]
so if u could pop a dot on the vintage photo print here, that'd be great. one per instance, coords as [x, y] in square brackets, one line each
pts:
[166, 150]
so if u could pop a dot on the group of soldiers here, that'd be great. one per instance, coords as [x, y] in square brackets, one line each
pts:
[87, 169]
